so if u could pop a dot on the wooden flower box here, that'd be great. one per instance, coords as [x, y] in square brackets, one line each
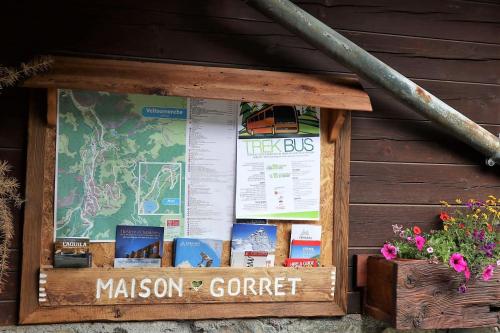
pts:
[416, 294]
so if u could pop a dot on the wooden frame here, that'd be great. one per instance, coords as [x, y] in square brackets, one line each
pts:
[335, 94]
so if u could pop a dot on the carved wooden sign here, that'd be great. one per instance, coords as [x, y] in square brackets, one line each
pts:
[109, 286]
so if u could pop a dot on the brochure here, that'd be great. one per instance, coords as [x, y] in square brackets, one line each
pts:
[305, 241]
[253, 245]
[192, 252]
[138, 246]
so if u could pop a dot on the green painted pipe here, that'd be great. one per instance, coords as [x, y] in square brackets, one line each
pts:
[375, 71]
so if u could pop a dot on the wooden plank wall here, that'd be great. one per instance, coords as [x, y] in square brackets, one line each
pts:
[402, 165]
[13, 121]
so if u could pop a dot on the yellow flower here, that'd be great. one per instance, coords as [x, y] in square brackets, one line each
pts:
[484, 216]
[475, 216]
[451, 219]
[458, 201]
[444, 203]
[491, 203]
[445, 227]
[492, 197]
[478, 211]
[491, 210]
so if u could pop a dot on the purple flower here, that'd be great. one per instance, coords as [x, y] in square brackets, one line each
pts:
[389, 251]
[471, 204]
[457, 262]
[478, 235]
[488, 249]
[462, 288]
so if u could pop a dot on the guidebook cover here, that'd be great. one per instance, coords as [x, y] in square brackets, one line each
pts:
[253, 245]
[72, 252]
[192, 252]
[138, 246]
[305, 241]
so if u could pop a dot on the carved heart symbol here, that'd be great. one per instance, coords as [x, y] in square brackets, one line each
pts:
[196, 285]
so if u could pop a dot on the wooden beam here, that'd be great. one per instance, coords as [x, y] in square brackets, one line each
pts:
[66, 314]
[330, 91]
[33, 207]
[341, 211]
[51, 107]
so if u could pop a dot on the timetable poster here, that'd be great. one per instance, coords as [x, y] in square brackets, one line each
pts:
[278, 162]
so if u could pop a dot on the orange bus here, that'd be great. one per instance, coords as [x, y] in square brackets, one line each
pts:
[273, 119]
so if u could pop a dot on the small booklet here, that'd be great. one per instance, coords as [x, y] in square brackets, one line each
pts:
[305, 242]
[253, 245]
[138, 246]
[72, 252]
[193, 252]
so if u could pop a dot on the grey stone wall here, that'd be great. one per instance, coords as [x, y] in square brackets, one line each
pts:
[346, 324]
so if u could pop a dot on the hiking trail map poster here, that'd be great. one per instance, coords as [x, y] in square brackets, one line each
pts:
[125, 159]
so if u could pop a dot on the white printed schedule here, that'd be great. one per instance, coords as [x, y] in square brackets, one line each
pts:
[211, 163]
[278, 163]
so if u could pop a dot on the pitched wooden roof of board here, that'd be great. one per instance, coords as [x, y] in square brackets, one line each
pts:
[328, 91]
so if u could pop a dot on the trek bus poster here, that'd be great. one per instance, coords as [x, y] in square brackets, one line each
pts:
[278, 162]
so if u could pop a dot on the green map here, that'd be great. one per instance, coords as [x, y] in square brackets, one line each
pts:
[120, 160]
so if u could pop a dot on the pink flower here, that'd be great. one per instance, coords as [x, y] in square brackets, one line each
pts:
[458, 262]
[389, 251]
[467, 273]
[488, 272]
[419, 242]
[498, 262]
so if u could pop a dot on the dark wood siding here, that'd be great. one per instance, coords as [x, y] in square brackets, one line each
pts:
[402, 164]
[13, 121]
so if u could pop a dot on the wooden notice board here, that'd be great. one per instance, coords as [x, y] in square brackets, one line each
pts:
[50, 295]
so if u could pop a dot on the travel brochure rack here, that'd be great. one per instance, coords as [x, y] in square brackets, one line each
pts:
[50, 295]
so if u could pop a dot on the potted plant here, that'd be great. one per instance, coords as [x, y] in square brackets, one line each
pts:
[441, 279]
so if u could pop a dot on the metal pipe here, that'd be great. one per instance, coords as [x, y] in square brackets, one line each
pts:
[370, 68]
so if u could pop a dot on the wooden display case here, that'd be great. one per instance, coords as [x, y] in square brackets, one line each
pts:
[50, 295]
